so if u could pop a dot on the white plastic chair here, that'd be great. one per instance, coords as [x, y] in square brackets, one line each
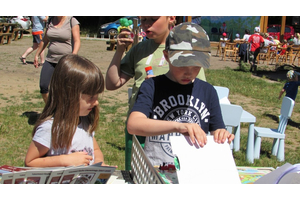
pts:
[231, 116]
[223, 93]
[278, 134]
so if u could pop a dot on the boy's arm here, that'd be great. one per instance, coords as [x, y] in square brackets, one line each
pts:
[281, 92]
[114, 77]
[139, 124]
[36, 157]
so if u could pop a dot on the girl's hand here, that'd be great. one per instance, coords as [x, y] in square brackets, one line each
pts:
[220, 136]
[77, 158]
[194, 131]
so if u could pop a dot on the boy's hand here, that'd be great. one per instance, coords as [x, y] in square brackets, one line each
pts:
[149, 76]
[220, 136]
[124, 40]
[194, 131]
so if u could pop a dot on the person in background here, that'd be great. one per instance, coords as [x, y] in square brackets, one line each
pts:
[267, 43]
[132, 65]
[38, 25]
[256, 42]
[296, 39]
[237, 40]
[223, 39]
[64, 133]
[291, 87]
[246, 35]
[284, 45]
[223, 28]
[62, 37]
[237, 37]
[177, 103]
[275, 39]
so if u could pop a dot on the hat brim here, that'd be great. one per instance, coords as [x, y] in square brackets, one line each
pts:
[184, 58]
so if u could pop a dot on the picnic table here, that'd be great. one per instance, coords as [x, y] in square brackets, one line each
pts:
[10, 31]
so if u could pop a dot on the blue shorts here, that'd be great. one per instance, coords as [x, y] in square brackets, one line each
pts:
[38, 38]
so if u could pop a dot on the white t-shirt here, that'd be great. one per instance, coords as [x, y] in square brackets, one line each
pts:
[82, 141]
[246, 37]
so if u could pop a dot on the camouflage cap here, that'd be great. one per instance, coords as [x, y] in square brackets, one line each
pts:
[188, 45]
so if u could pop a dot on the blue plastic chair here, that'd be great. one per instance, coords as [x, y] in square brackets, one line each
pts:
[231, 116]
[222, 91]
[278, 134]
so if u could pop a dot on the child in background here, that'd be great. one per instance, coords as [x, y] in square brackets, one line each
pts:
[223, 38]
[146, 53]
[291, 87]
[64, 133]
[177, 102]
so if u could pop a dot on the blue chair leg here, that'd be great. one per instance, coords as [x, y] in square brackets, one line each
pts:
[236, 140]
[280, 153]
[257, 145]
[275, 146]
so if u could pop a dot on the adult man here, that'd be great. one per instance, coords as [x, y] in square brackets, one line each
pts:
[256, 41]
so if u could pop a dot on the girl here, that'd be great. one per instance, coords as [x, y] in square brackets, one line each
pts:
[64, 133]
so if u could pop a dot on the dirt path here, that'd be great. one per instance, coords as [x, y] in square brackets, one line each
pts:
[18, 79]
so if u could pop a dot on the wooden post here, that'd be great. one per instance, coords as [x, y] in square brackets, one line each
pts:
[283, 20]
[135, 31]
[263, 24]
[189, 18]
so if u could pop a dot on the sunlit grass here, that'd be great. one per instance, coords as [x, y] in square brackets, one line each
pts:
[16, 122]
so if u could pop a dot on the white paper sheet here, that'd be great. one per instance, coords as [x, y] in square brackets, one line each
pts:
[212, 164]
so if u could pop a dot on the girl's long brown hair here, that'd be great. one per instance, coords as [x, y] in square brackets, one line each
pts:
[73, 76]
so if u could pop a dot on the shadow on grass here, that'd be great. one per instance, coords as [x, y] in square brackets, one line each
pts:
[290, 122]
[116, 146]
[32, 116]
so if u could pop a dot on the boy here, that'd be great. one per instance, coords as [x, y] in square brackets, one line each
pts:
[177, 102]
[291, 87]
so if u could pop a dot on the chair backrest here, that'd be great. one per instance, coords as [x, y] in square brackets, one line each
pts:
[231, 114]
[222, 91]
[286, 110]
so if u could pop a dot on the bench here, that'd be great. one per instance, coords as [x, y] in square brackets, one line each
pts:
[8, 38]
[7, 32]
[18, 33]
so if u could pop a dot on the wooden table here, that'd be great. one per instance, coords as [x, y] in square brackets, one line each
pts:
[7, 31]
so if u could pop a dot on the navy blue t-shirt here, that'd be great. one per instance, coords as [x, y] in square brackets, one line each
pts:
[161, 98]
[291, 89]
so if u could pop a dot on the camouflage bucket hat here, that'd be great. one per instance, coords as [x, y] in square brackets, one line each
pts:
[188, 45]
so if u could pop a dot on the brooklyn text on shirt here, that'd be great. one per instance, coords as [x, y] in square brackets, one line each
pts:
[182, 109]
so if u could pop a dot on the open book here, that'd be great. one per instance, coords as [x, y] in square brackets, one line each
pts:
[56, 175]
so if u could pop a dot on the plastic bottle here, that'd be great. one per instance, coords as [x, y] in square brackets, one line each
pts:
[149, 70]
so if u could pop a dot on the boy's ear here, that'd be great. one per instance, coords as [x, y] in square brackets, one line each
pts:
[166, 55]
